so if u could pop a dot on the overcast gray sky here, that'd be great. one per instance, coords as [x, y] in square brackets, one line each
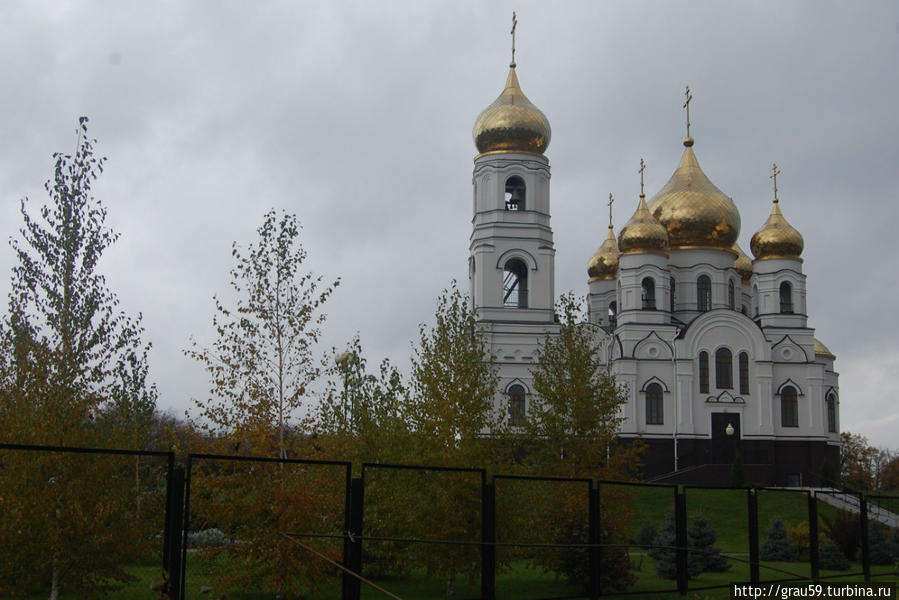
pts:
[357, 116]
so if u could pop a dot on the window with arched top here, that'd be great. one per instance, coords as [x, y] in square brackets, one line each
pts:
[744, 373]
[654, 415]
[703, 293]
[515, 284]
[731, 299]
[831, 413]
[515, 193]
[704, 372]
[786, 298]
[671, 296]
[517, 406]
[613, 314]
[724, 369]
[755, 301]
[648, 293]
[789, 407]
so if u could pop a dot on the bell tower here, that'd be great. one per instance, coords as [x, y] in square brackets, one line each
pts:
[511, 251]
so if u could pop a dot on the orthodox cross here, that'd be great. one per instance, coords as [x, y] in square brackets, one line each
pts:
[514, 24]
[688, 97]
[774, 173]
[642, 169]
[610, 209]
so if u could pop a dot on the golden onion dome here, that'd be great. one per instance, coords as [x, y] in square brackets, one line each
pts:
[512, 123]
[604, 264]
[743, 264]
[822, 351]
[777, 238]
[643, 233]
[693, 210]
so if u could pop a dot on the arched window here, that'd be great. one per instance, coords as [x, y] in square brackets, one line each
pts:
[744, 373]
[654, 414]
[789, 407]
[755, 301]
[649, 293]
[831, 413]
[515, 193]
[515, 284]
[703, 293]
[786, 298]
[731, 301]
[517, 407]
[704, 372]
[671, 297]
[724, 369]
[613, 314]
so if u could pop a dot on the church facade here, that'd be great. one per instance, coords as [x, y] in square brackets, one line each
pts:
[714, 347]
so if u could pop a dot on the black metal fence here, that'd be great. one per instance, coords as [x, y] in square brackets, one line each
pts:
[351, 532]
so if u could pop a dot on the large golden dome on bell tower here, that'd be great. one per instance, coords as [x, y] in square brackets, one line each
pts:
[512, 123]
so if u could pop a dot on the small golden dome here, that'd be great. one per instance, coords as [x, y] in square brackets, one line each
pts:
[693, 211]
[777, 238]
[512, 123]
[822, 351]
[643, 233]
[604, 264]
[743, 264]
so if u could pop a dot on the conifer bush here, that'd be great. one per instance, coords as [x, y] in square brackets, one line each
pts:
[777, 546]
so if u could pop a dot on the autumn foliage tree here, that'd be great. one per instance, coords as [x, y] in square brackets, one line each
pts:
[261, 365]
[572, 427]
[69, 354]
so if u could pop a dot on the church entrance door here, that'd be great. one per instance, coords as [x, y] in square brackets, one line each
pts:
[724, 447]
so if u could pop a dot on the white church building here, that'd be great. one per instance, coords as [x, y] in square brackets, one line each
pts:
[714, 347]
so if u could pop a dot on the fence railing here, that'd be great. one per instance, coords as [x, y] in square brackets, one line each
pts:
[423, 514]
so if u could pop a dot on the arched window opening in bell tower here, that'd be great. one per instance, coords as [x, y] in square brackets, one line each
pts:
[515, 193]
[649, 293]
[703, 293]
[786, 298]
[613, 314]
[515, 284]
[517, 406]
[731, 300]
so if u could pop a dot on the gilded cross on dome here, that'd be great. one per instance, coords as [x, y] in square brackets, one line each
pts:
[642, 169]
[774, 173]
[514, 24]
[611, 200]
[688, 141]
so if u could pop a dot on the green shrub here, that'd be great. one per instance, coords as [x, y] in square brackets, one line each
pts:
[832, 558]
[844, 530]
[777, 546]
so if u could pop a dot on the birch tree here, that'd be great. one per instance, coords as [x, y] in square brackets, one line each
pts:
[69, 353]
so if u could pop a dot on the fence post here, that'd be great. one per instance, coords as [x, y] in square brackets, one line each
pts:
[863, 522]
[595, 537]
[174, 515]
[185, 528]
[352, 588]
[752, 499]
[488, 541]
[813, 535]
[680, 529]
